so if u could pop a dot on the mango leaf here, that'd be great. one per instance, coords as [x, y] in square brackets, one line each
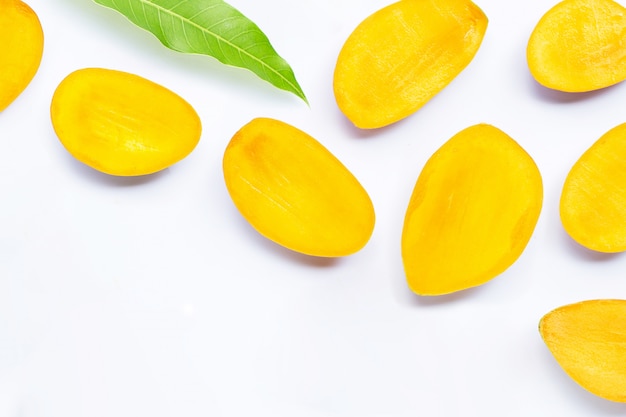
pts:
[214, 28]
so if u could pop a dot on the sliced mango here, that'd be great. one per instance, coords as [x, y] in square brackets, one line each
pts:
[472, 212]
[579, 45]
[588, 340]
[293, 191]
[122, 124]
[21, 37]
[401, 56]
[593, 199]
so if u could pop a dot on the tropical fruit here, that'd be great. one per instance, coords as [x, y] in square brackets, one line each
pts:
[122, 124]
[401, 56]
[21, 36]
[293, 191]
[588, 340]
[472, 212]
[593, 200]
[578, 46]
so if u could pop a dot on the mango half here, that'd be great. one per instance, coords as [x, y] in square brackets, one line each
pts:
[579, 46]
[401, 56]
[21, 37]
[472, 212]
[588, 340]
[122, 124]
[293, 191]
[593, 199]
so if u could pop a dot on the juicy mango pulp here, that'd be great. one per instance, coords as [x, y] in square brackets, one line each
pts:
[293, 191]
[401, 56]
[21, 37]
[588, 340]
[472, 212]
[593, 200]
[122, 124]
[579, 45]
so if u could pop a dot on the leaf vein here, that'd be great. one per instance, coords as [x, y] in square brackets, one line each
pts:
[214, 28]
[221, 40]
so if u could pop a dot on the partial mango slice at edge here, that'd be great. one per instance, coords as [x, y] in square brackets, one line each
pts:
[401, 56]
[579, 46]
[22, 39]
[588, 340]
[593, 199]
[472, 212]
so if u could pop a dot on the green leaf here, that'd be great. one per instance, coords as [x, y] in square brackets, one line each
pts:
[210, 27]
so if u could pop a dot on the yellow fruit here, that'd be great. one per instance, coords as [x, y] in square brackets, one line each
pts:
[21, 37]
[401, 56]
[579, 46]
[122, 124]
[593, 200]
[588, 340]
[293, 191]
[473, 210]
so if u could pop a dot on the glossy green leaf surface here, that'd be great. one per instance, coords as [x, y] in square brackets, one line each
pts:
[214, 28]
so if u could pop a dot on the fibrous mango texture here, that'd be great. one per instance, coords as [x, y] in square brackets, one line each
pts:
[593, 200]
[588, 340]
[21, 37]
[293, 191]
[401, 56]
[122, 124]
[579, 45]
[472, 212]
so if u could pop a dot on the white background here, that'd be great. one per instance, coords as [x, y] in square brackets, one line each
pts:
[153, 297]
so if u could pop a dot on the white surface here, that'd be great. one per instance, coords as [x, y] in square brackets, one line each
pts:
[153, 297]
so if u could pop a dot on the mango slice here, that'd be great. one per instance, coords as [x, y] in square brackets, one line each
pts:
[401, 56]
[21, 37]
[122, 124]
[472, 212]
[593, 199]
[579, 45]
[588, 340]
[293, 191]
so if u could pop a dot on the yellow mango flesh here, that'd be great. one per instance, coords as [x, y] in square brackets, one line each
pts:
[21, 37]
[293, 191]
[593, 199]
[472, 212]
[122, 124]
[401, 56]
[579, 46]
[588, 340]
